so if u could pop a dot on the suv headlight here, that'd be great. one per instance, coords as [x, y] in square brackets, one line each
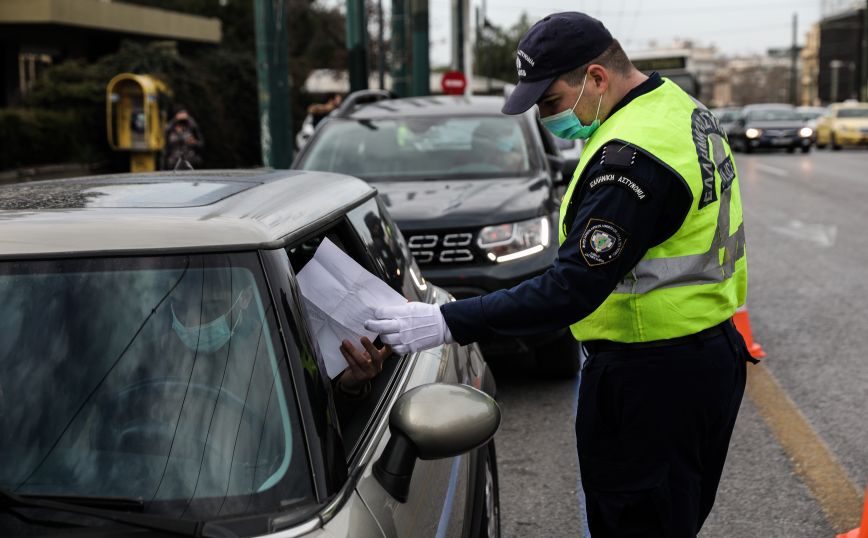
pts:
[805, 132]
[753, 133]
[510, 241]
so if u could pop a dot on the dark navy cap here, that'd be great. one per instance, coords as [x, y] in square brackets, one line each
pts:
[553, 46]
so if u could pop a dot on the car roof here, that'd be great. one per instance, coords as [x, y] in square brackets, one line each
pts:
[207, 210]
[435, 105]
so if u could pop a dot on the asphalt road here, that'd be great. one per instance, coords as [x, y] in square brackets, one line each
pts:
[798, 463]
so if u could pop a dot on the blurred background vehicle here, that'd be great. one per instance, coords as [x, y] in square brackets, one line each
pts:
[770, 126]
[474, 191]
[726, 117]
[846, 124]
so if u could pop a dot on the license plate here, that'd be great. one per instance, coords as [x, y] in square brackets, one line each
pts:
[782, 141]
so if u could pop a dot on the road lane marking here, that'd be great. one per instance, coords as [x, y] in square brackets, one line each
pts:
[821, 234]
[772, 170]
[812, 459]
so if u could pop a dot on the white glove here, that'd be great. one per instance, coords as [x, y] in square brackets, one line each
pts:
[410, 327]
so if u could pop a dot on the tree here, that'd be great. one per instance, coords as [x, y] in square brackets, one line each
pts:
[495, 49]
[217, 84]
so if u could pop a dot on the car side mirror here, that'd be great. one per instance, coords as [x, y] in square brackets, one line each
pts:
[430, 422]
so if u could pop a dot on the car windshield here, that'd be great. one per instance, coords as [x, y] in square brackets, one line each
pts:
[773, 114]
[153, 378]
[442, 147]
[727, 116]
[853, 113]
[811, 114]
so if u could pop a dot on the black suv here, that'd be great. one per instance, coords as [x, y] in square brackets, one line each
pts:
[475, 193]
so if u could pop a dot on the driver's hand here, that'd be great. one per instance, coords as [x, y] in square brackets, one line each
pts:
[364, 365]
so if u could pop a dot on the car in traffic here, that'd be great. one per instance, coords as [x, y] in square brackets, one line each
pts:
[475, 192]
[159, 375]
[726, 117]
[770, 126]
[846, 124]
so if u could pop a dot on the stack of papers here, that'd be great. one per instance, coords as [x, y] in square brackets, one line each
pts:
[340, 295]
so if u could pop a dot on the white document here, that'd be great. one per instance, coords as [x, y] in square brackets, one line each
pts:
[340, 295]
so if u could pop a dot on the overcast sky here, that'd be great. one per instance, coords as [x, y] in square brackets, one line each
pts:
[734, 26]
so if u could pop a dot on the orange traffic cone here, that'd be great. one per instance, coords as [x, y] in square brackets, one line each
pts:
[742, 323]
[862, 531]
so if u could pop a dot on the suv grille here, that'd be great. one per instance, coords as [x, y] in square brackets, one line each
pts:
[432, 248]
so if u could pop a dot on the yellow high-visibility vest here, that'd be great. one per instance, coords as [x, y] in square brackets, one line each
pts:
[698, 277]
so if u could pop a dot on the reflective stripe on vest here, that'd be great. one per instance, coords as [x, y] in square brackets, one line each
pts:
[698, 276]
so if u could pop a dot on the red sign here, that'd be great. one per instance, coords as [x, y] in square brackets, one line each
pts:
[453, 83]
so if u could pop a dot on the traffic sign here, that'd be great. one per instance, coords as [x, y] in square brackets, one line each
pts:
[453, 83]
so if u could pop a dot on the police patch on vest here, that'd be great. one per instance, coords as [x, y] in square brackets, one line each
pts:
[601, 242]
[616, 179]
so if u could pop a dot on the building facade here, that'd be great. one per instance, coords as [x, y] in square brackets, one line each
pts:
[35, 34]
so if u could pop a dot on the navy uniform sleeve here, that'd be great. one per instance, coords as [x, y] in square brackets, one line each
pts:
[620, 213]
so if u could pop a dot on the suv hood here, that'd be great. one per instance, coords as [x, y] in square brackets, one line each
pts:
[459, 203]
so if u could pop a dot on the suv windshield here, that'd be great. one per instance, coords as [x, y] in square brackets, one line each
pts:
[150, 378]
[773, 114]
[442, 147]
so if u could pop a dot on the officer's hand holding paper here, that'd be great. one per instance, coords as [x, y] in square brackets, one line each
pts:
[410, 326]
[340, 295]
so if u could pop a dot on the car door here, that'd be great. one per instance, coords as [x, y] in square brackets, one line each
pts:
[439, 491]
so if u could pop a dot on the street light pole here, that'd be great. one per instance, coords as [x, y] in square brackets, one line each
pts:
[794, 62]
[357, 44]
[381, 52]
[400, 84]
[421, 79]
[272, 70]
[865, 52]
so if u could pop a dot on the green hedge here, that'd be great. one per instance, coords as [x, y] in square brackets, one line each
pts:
[36, 136]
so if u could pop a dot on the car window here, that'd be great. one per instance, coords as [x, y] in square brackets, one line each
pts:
[354, 415]
[154, 378]
[853, 113]
[388, 249]
[441, 147]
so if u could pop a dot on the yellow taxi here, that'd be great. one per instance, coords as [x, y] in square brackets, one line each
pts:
[846, 124]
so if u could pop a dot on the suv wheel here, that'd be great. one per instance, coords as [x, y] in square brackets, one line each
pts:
[834, 142]
[559, 358]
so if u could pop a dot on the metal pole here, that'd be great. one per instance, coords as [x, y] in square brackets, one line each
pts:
[458, 36]
[400, 84]
[487, 57]
[865, 52]
[835, 66]
[794, 58]
[272, 69]
[357, 45]
[381, 52]
[421, 79]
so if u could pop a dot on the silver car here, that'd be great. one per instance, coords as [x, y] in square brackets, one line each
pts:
[158, 374]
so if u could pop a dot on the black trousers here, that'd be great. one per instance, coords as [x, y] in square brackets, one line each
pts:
[652, 429]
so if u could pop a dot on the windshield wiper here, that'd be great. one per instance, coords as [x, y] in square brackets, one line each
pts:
[10, 500]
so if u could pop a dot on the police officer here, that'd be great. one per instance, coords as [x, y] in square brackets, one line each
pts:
[651, 268]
